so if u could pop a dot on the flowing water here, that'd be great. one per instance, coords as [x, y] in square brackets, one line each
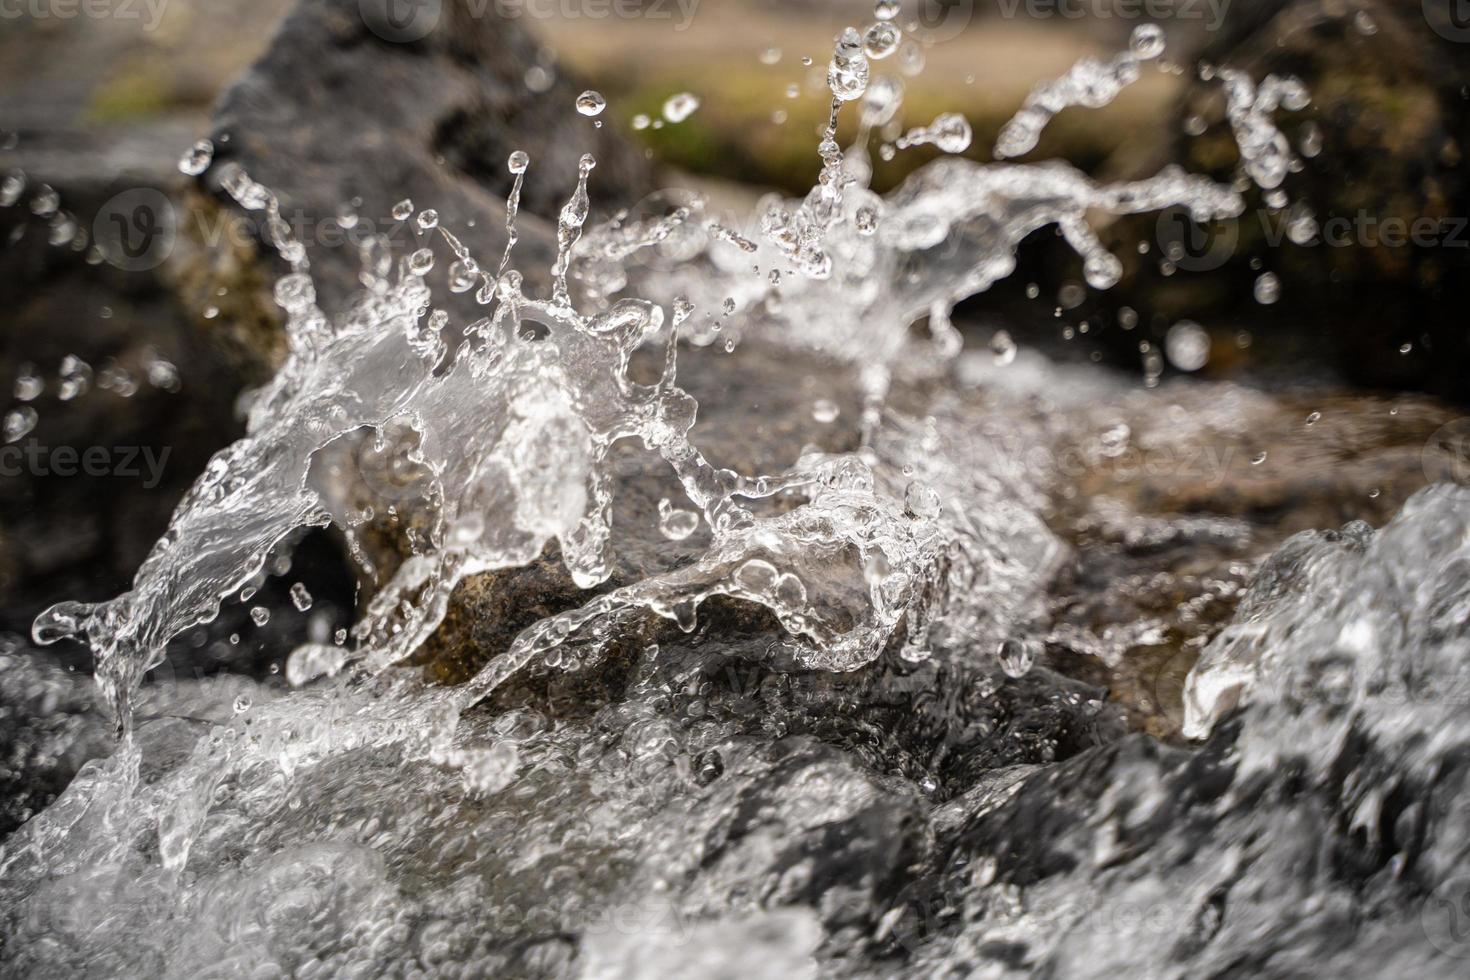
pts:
[363, 821]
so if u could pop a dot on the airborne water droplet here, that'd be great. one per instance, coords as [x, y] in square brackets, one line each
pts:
[591, 103]
[1017, 656]
[1002, 348]
[825, 410]
[260, 615]
[18, 422]
[402, 210]
[1187, 345]
[1267, 288]
[676, 524]
[881, 40]
[198, 159]
[300, 597]
[678, 108]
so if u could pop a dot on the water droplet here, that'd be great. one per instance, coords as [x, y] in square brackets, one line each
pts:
[921, 500]
[641, 121]
[1267, 289]
[300, 597]
[1147, 42]
[678, 108]
[421, 262]
[825, 410]
[1187, 346]
[591, 103]
[197, 159]
[1002, 348]
[402, 210]
[770, 56]
[1018, 656]
[260, 615]
[18, 422]
[242, 704]
[1258, 458]
[674, 523]
[1314, 418]
[28, 383]
[428, 219]
[881, 40]
[886, 9]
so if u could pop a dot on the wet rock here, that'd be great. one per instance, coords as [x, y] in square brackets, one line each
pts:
[346, 107]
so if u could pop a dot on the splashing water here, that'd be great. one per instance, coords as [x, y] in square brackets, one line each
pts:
[508, 423]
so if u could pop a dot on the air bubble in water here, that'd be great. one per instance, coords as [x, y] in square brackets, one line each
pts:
[678, 108]
[197, 159]
[1187, 345]
[18, 422]
[591, 103]
[1267, 289]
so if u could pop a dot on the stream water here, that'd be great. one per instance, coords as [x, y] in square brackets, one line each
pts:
[882, 542]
